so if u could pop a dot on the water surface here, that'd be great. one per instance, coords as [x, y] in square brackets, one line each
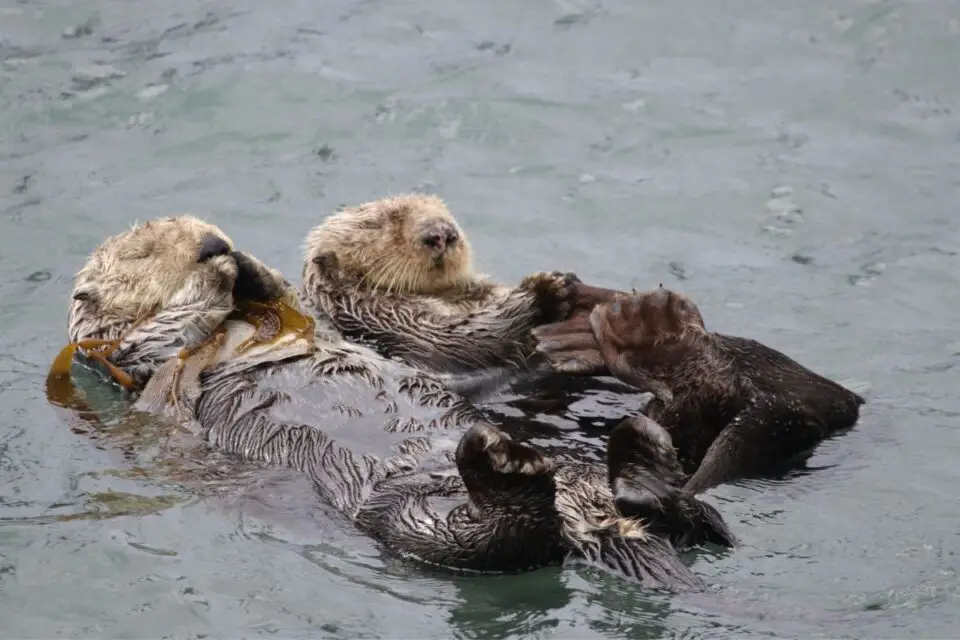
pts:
[792, 166]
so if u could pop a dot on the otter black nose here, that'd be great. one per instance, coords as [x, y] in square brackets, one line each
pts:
[440, 237]
[212, 245]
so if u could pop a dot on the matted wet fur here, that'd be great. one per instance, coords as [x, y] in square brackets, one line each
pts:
[407, 460]
[733, 406]
[397, 274]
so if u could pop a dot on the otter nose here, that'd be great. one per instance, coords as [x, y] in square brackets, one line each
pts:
[211, 246]
[440, 236]
[659, 298]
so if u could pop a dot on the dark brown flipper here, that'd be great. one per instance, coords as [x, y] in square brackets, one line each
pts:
[570, 346]
[617, 351]
[764, 435]
[499, 472]
[646, 480]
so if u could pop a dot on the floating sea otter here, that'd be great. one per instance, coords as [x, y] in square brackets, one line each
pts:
[397, 273]
[733, 406]
[215, 336]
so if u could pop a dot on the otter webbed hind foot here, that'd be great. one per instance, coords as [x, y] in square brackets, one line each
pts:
[642, 468]
[647, 484]
[569, 347]
[507, 524]
[499, 472]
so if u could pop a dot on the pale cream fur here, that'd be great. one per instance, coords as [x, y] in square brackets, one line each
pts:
[379, 243]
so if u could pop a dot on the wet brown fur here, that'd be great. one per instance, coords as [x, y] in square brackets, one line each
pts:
[370, 270]
[502, 506]
[733, 406]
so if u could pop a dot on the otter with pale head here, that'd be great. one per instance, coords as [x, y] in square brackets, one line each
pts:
[397, 273]
[211, 332]
[734, 407]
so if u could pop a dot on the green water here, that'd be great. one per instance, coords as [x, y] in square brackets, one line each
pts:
[792, 166]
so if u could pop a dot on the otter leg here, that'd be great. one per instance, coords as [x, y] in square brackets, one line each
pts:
[766, 434]
[510, 520]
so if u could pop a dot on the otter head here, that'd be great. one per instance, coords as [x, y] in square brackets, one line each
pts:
[405, 244]
[169, 262]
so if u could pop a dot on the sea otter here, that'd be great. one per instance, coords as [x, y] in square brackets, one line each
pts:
[733, 406]
[397, 274]
[214, 336]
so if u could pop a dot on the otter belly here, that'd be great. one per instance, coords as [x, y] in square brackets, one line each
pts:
[381, 411]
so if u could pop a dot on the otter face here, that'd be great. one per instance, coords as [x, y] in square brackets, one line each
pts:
[158, 264]
[647, 319]
[404, 244]
[137, 272]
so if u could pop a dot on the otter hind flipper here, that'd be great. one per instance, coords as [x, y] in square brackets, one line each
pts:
[646, 480]
[498, 471]
[569, 346]
[768, 431]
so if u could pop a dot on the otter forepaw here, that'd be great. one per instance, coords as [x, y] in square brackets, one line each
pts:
[487, 446]
[555, 294]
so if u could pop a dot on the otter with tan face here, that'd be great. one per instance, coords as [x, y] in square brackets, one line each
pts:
[397, 274]
[214, 334]
[734, 407]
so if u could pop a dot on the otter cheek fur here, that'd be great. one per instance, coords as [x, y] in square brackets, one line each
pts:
[397, 274]
[408, 461]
